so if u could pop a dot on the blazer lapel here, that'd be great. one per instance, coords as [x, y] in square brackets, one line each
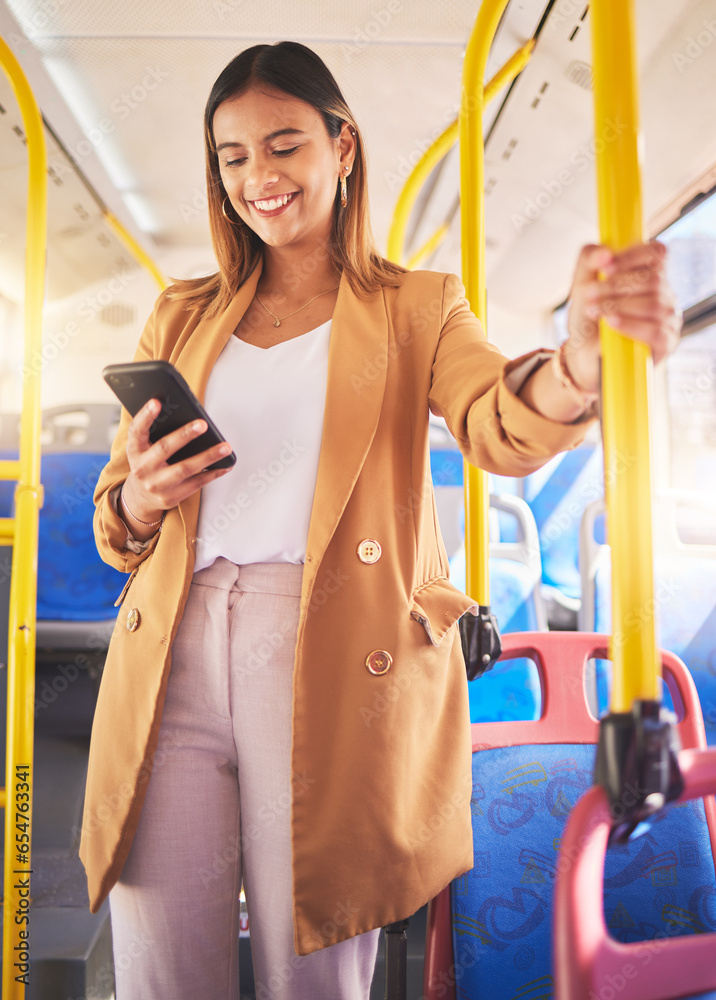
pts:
[197, 359]
[211, 336]
[357, 371]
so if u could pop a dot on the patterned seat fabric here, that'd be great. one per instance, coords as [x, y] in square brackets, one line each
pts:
[661, 884]
[557, 495]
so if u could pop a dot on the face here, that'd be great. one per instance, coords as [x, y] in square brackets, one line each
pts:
[279, 166]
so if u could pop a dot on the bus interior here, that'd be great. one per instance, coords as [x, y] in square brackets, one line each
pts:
[121, 89]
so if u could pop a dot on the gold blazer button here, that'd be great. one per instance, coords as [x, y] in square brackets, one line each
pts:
[378, 662]
[369, 551]
[133, 620]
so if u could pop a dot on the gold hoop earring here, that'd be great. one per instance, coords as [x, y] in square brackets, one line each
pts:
[344, 190]
[223, 209]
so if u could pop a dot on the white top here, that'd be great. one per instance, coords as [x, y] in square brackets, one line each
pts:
[268, 403]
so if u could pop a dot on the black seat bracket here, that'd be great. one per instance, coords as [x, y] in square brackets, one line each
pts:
[637, 765]
[481, 642]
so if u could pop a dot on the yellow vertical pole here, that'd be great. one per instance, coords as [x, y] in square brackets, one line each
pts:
[472, 215]
[626, 365]
[23, 584]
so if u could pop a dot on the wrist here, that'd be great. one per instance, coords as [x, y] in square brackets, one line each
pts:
[133, 512]
[573, 382]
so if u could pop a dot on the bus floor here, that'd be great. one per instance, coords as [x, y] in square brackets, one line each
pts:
[70, 948]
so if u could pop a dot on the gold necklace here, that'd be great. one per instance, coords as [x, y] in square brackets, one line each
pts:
[279, 321]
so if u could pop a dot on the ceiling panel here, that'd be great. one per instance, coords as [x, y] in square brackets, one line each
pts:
[147, 115]
[136, 76]
[81, 248]
[356, 23]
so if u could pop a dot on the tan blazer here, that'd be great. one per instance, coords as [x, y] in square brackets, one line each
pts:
[380, 816]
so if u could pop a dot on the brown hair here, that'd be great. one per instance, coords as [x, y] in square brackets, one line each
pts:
[297, 71]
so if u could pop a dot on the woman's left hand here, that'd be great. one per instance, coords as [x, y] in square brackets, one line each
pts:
[634, 297]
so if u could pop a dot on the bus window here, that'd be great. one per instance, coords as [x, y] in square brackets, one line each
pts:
[691, 370]
[692, 254]
[691, 381]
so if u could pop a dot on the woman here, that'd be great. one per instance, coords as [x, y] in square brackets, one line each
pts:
[312, 736]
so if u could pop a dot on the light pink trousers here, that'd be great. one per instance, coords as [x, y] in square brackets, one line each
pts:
[218, 809]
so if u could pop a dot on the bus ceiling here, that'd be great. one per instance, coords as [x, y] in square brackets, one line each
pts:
[101, 98]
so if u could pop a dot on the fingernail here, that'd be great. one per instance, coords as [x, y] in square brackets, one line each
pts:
[197, 425]
[224, 449]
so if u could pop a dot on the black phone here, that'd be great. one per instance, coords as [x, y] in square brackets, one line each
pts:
[136, 382]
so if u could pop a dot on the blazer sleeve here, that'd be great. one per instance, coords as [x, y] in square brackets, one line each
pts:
[472, 389]
[110, 531]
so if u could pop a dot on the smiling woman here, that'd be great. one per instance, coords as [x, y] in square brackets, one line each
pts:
[260, 633]
[273, 104]
[282, 186]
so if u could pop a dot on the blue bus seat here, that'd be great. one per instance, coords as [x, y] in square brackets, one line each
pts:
[489, 933]
[76, 591]
[557, 495]
[685, 594]
[447, 468]
[511, 689]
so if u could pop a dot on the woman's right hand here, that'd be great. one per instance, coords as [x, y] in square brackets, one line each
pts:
[153, 486]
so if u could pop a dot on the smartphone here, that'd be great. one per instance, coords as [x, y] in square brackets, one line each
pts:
[135, 383]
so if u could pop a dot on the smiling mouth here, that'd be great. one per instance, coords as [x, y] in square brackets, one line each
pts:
[273, 206]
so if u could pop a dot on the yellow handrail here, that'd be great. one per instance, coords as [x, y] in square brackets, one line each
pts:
[137, 251]
[626, 365]
[9, 469]
[434, 154]
[23, 583]
[412, 187]
[429, 246]
[472, 216]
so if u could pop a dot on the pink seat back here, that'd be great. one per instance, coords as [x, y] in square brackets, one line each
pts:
[561, 659]
[587, 961]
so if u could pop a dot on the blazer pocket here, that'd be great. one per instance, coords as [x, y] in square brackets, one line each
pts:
[126, 587]
[437, 605]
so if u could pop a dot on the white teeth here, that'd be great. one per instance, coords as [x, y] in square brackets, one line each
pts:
[273, 204]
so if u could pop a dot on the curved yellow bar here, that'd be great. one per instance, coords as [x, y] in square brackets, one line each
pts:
[411, 189]
[137, 251]
[472, 217]
[626, 365]
[434, 154]
[23, 583]
[429, 246]
[9, 468]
